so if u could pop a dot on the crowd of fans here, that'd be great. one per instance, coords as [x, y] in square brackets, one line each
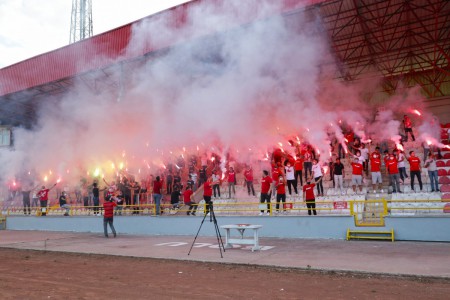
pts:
[301, 170]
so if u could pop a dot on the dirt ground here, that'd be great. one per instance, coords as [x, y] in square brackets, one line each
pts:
[27, 274]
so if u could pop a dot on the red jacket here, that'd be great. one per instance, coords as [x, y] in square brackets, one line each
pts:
[109, 209]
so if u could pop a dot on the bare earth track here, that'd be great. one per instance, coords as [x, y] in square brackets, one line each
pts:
[28, 274]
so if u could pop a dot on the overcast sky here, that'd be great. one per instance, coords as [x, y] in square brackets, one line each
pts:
[31, 27]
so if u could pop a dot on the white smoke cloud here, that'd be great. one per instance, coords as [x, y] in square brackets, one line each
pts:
[243, 90]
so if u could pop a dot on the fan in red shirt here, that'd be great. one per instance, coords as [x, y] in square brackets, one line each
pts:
[42, 194]
[298, 166]
[231, 179]
[394, 177]
[281, 192]
[357, 170]
[276, 172]
[248, 175]
[407, 125]
[157, 194]
[307, 162]
[375, 169]
[108, 218]
[266, 182]
[187, 197]
[414, 167]
[308, 196]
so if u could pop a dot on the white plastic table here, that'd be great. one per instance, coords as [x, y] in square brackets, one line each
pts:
[241, 228]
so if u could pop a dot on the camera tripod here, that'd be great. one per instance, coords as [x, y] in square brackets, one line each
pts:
[212, 218]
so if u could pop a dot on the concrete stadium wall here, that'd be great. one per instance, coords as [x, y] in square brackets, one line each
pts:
[320, 227]
[410, 228]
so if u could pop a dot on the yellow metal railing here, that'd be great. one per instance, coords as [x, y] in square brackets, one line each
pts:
[361, 210]
[369, 212]
[370, 234]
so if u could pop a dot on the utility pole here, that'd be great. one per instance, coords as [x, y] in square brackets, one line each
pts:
[81, 20]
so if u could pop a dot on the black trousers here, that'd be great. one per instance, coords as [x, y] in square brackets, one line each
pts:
[250, 187]
[128, 199]
[192, 208]
[216, 187]
[265, 198]
[26, 204]
[419, 178]
[298, 175]
[208, 203]
[319, 185]
[307, 166]
[43, 207]
[281, 198]
[294, 184]
[311, 205]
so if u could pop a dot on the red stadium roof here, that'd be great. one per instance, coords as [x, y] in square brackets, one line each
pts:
[102, 50]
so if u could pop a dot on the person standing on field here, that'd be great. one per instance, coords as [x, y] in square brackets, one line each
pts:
[108, 207]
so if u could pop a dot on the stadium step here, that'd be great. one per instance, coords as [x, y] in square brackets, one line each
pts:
[370, 235]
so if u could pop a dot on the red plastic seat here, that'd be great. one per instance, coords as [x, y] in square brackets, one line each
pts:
[447, 155]
[446, 197]
[440, 163]
[444, 180]
[442, 172]
[445, 188]
[446, 206]
[448, 163]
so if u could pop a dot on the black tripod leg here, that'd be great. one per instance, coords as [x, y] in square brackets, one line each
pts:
[201, 224]
[218, 235]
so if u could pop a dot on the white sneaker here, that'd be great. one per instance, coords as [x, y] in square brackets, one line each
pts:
[267, 214]
[261, 214]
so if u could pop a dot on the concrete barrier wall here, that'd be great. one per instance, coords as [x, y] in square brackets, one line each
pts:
[410, 228]
[319, 227]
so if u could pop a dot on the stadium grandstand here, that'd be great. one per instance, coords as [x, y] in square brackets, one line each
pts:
[402, 45]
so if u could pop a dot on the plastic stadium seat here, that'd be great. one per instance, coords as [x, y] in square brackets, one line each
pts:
[446, 196]
[447, 155]
[444, 180]
[445, 188]
[440, 163]
[448, 163]
[442, 172]
[444, 136]
[446, 208]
